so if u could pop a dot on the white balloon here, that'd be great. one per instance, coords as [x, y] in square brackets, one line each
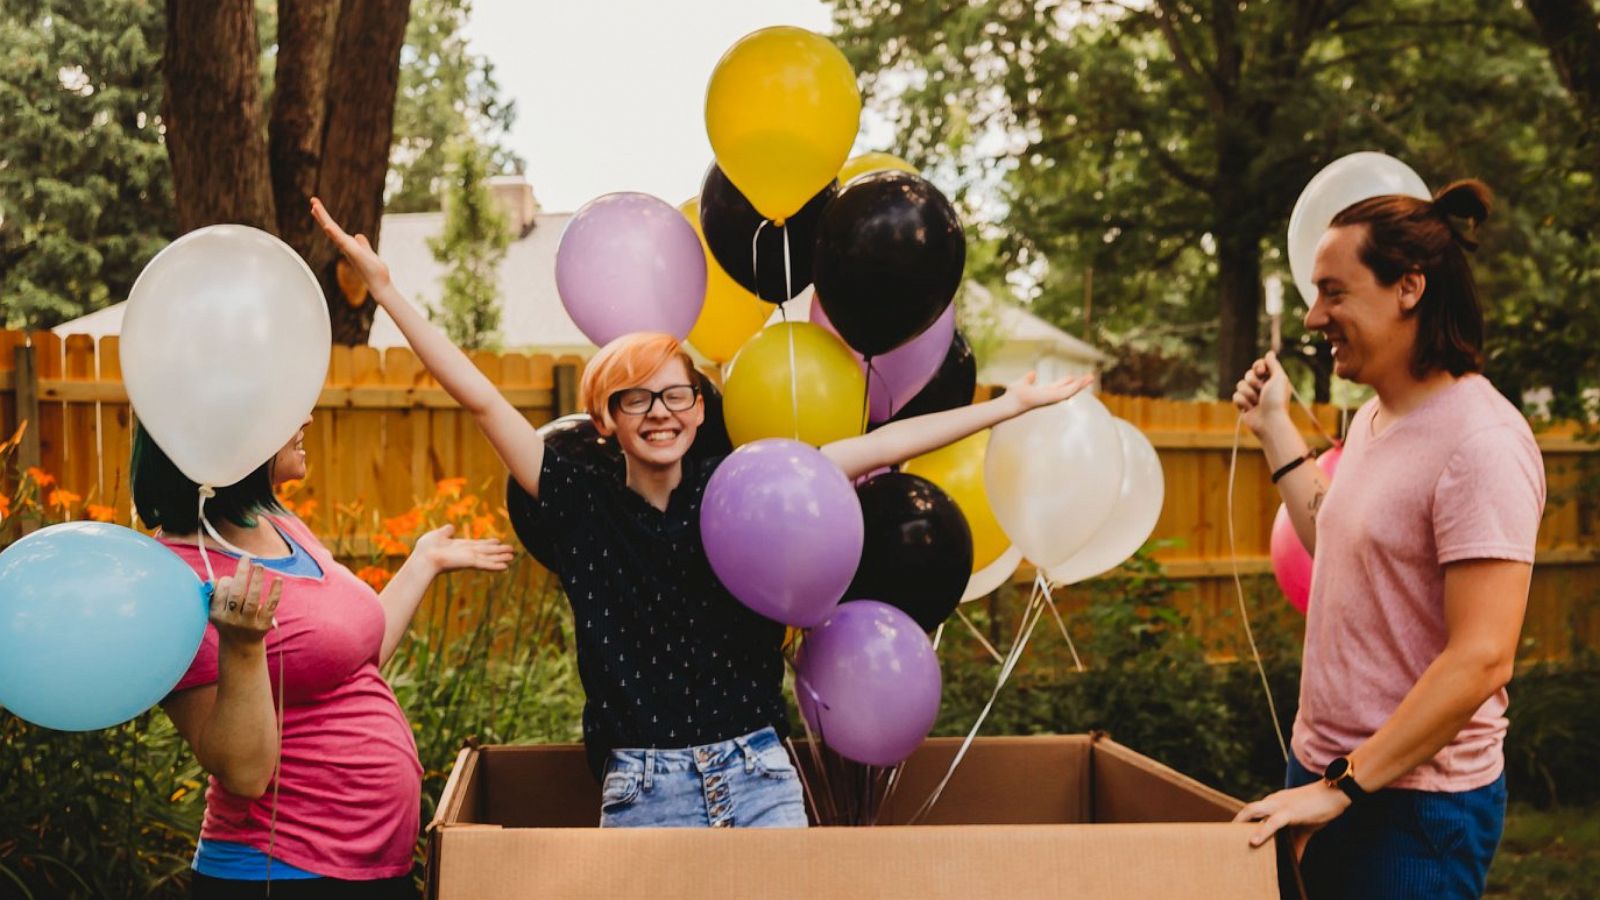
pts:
[1139, 506]
[1053, 477]
[224, 349]
[1343, 182]
[984, 581]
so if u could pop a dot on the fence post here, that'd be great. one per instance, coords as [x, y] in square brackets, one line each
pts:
[27, 382]
[565, 394]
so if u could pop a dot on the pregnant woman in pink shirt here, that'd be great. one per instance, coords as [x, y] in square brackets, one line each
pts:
[334, 813]
[1423, 549]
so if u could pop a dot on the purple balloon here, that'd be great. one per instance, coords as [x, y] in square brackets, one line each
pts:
[898, 375]
[782, 529]
[630, 262]
[868, 683]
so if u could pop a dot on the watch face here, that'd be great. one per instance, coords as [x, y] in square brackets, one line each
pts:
[1337, 769]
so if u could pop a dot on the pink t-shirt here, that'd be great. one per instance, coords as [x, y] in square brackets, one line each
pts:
[350, 787]
[1458, 478]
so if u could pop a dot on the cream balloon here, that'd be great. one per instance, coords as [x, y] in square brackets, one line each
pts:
[225, 348]
[1134, 517]
[1053, 476]
[1343, 182]
[984, 581]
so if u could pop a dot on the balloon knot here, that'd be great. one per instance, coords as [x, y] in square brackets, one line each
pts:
[207, 491]
[777, 223]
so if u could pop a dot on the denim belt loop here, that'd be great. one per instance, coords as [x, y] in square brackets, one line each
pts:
[749, 754]
[649, 767]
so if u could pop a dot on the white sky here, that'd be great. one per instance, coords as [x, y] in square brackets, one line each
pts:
[611, 93]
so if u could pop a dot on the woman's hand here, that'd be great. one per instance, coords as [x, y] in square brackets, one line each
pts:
[1310, 806]
[1262, 395]
[357, 250]
[1029, 395]
[445, 553]
[236, 608]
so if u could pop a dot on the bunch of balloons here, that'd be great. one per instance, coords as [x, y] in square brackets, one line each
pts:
[98, 622]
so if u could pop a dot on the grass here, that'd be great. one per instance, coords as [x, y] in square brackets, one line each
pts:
[1549, 854]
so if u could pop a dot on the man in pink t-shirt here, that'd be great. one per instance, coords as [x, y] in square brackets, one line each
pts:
[1423, 555]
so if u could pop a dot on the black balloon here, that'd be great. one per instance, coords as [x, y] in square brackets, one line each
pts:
[730, 223]
[917, 555]
[952, 384]
[889, 258]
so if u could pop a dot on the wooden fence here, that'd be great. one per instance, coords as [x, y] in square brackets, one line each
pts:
[384, 434]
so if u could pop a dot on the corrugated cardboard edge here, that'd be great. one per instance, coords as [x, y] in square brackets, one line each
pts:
[1290, 882]
[451, 801]
[931, 862]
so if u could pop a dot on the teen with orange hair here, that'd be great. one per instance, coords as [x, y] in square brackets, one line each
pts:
[684, 685]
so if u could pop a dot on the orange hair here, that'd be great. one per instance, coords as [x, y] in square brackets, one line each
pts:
[628, 361]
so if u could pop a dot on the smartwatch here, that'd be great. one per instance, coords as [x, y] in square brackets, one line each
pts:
[1342, 775]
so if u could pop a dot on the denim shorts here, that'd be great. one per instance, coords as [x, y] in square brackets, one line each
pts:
[1404, 843]
[748, 782]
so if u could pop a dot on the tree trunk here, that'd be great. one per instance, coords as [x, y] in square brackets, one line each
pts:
[1570, 30]
[362, 80]
[1239, 295]
[299, 107]
[213, 115]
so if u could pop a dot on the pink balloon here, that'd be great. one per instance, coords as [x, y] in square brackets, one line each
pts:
[629, 262]
[898, 375]
[1291, 564]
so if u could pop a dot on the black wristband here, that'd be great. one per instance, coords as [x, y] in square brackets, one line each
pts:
[1293, 464]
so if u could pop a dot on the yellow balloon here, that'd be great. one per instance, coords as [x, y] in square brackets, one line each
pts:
[958, 470]
[782, 110]
[731, 314]
[873, 162]
[760, 396]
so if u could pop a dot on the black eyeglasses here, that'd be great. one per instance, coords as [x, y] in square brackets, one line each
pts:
[639, 401]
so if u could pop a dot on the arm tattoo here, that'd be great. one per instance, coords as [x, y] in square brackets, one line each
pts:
[1316, 503]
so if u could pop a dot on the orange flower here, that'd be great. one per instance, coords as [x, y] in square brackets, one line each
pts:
[63, 498]
[100, 513]
[403, 524]
[306, 509]
[390, 546]
[375, 576]
[40, 476]
[5, 506]
[450, 486]
[462, 507]
[482, 527]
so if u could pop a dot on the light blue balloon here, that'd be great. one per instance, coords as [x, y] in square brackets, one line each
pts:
[97, 623]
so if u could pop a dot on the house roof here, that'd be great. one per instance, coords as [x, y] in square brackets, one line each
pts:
[532, 317]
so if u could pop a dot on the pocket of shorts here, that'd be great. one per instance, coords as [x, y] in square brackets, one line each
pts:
[620, 789]
[774, 762]
[1441, 821]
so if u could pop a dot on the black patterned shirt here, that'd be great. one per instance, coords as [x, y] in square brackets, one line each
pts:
[668, 658]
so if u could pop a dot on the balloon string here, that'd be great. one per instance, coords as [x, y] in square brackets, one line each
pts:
[206, 492]
[1030, 619]
[1050, 601]
[866, 396]
[1238, 586]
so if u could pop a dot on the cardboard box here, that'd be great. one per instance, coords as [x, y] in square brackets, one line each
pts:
[1024, 817]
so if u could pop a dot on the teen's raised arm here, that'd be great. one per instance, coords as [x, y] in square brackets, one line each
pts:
[900, 441]
[513, 437]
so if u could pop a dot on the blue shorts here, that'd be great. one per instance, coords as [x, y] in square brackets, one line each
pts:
[1404, 843]
[748, 782]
